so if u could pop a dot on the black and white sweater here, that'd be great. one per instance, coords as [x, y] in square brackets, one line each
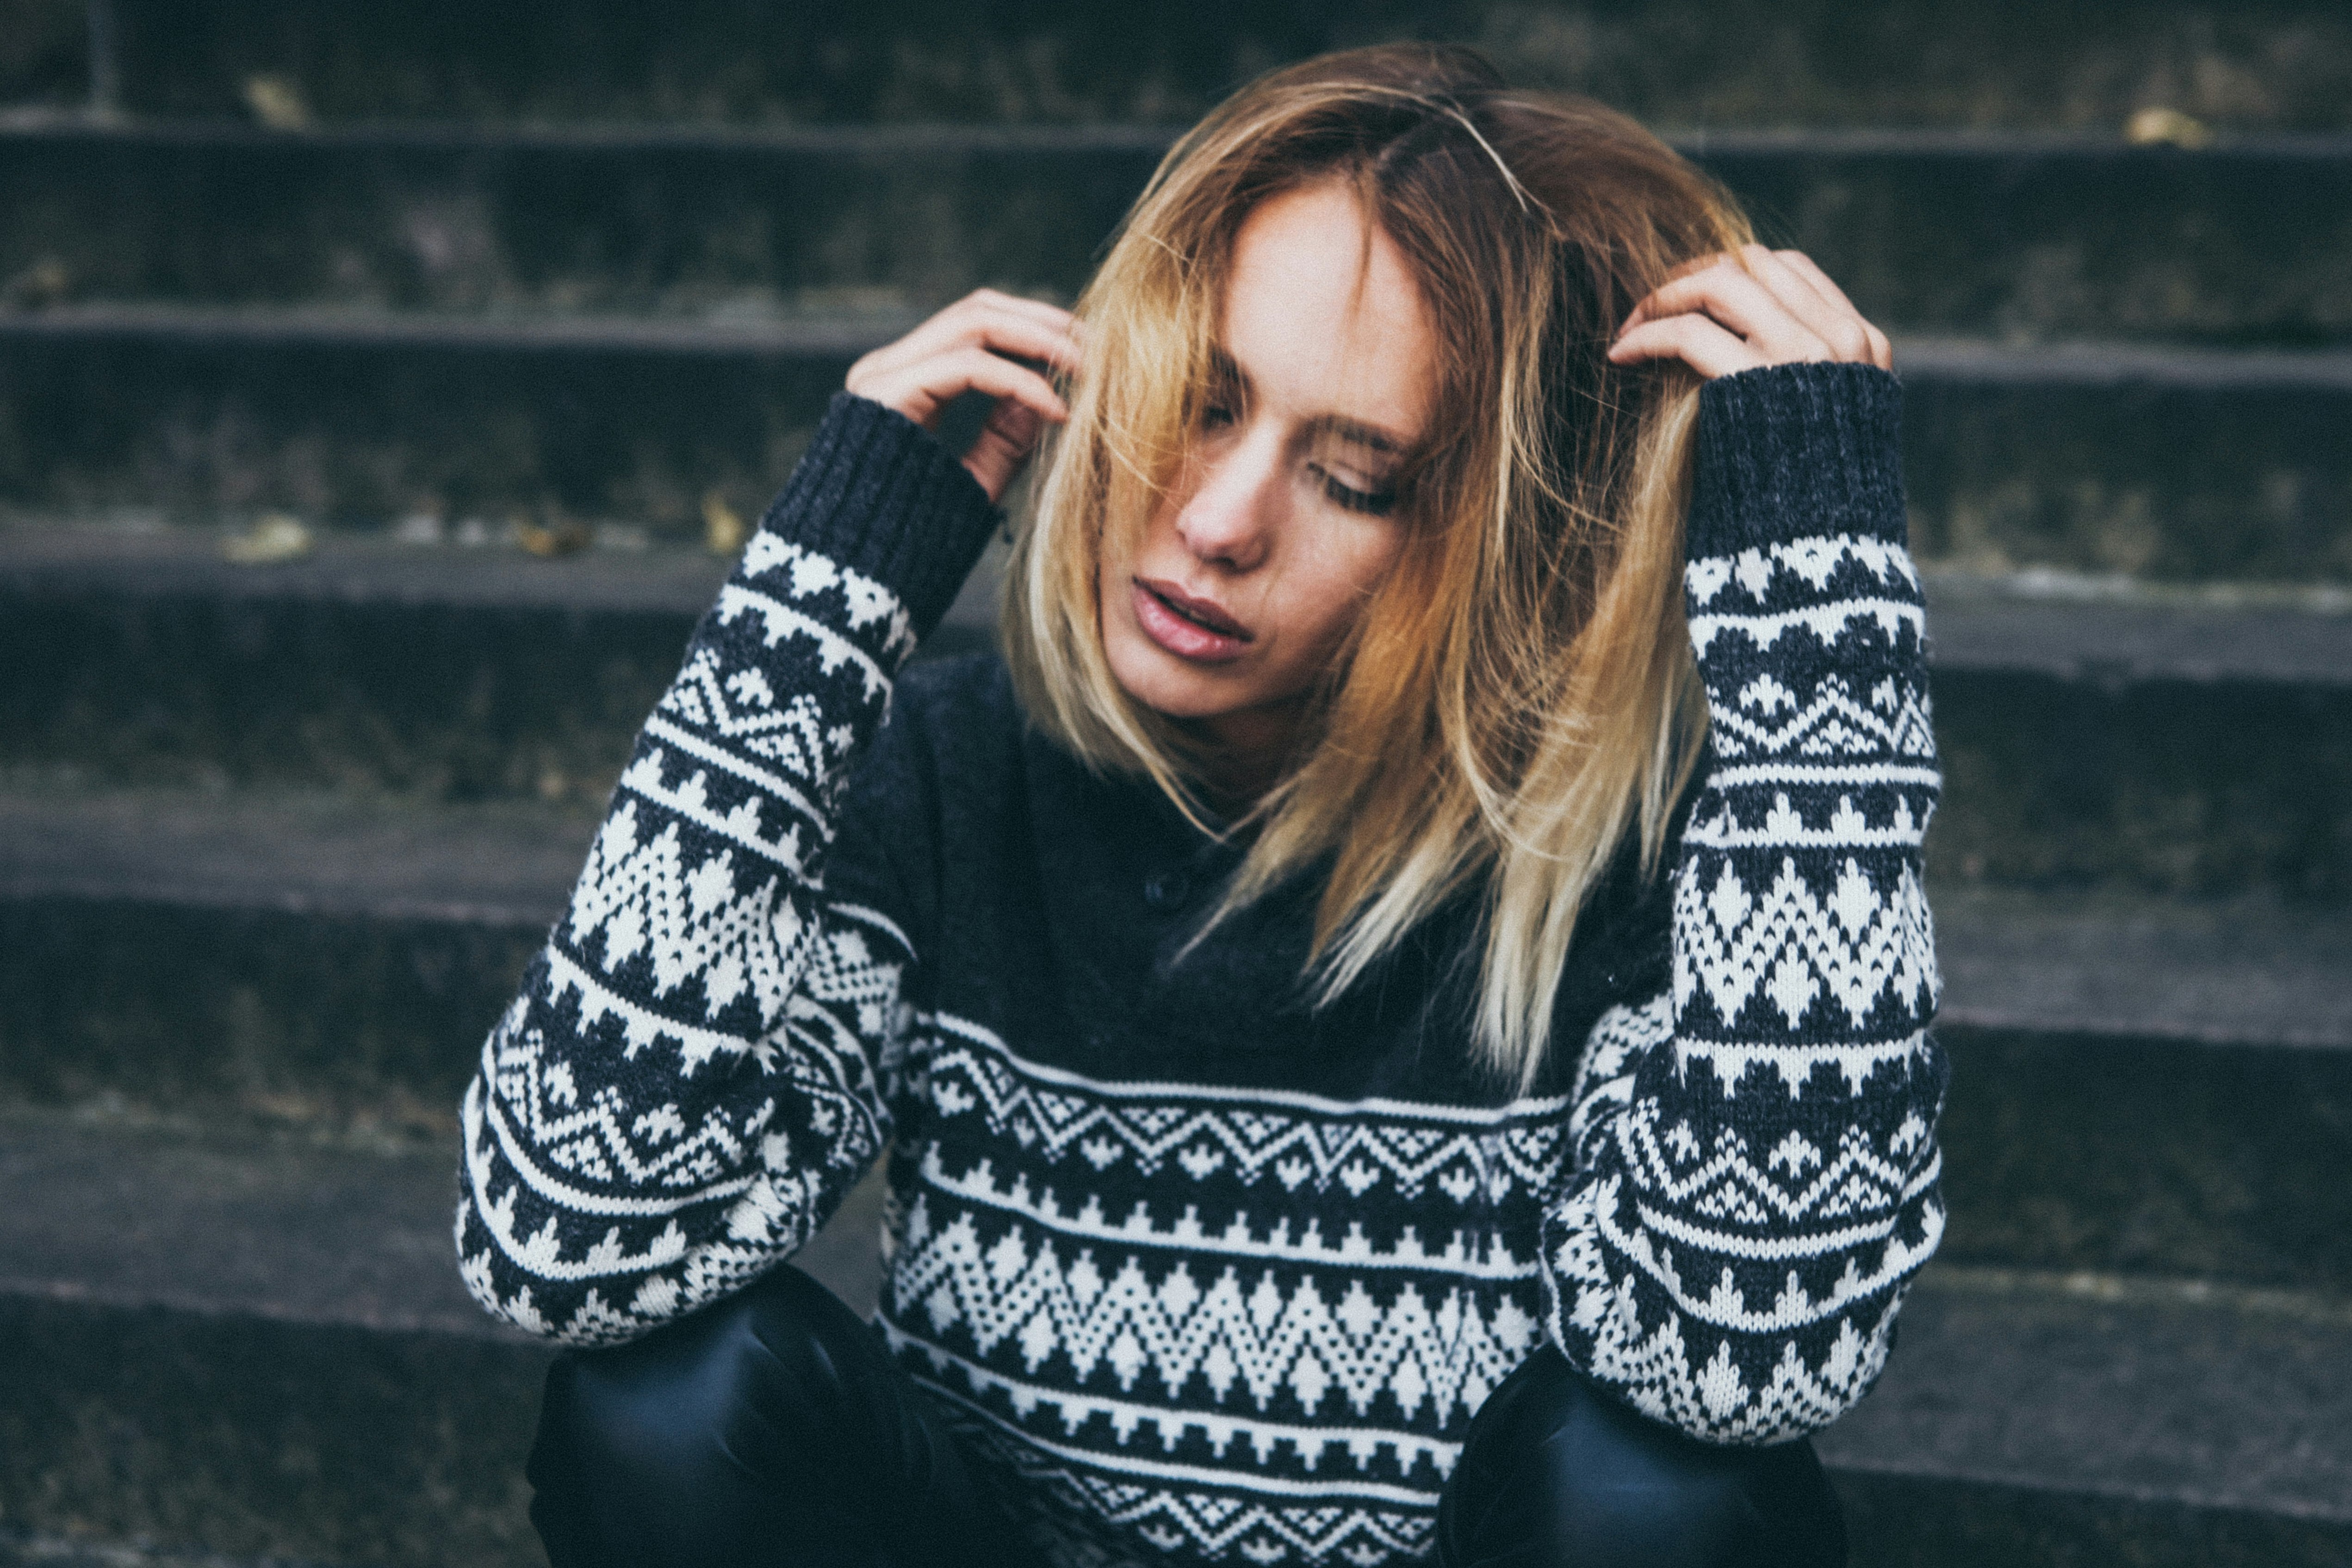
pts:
[1202, 1273]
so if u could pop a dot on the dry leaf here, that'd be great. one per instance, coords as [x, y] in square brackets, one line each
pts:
[276, 103]
[558, 538]
[273, 537]
[2166, 127]
[724, 532]
[46, 282]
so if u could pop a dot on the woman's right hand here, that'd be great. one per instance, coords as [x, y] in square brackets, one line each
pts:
[978, 344]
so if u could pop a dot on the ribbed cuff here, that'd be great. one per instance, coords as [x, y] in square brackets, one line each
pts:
[877, 494]
[1790, 450]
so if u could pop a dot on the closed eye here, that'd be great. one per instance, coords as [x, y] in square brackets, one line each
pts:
[1371, 503]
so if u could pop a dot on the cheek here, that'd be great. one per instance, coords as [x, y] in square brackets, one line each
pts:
[1348, 573]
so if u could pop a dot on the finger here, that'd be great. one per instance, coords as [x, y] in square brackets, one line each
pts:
[983, 325]
[1003, 444]
[1037, 309]
[1022, 338]
[1706, 346]
[964, 322]
[980, 328]
[1882, 351]
[1645, 311]
[1838, 324]
[1799, 262]
[1726, 293]
[985, 309]
[920, 391]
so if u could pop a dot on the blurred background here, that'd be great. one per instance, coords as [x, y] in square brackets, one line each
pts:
[385, 389]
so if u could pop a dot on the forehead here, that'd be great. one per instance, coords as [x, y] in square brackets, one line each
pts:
[1323, 315]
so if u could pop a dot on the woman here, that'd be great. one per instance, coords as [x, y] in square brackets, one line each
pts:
[1396, 1009]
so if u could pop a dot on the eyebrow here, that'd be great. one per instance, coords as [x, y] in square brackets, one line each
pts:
[1355, 431]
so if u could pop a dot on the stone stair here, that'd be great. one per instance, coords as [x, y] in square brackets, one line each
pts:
[276, 840]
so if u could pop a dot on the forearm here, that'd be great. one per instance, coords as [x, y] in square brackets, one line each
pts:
[1756, 1165]
[685, 1084]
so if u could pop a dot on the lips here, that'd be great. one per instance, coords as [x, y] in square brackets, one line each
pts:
[1193, 628]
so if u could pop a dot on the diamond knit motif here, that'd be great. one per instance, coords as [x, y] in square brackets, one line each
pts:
[1202, 1348]
[1786, 946]
[739, 710]
[654, 903]
[1355, 1152]
[1082, 1519]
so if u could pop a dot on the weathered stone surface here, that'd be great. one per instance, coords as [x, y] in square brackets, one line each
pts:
[254, 1347]
[2015, 238]
[251, 1348]
[1915, 1524]
[2138, 1421]
[2273, 62]
[2168, 464]
[32, 1549]
[2096, 1151]
[293, 962]
[2009, 235]
[2196, 788]
[444, 674]
[2186, 748]
[375, 418]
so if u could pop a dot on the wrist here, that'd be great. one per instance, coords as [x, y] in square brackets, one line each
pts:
[877, 494]
[1794, 451]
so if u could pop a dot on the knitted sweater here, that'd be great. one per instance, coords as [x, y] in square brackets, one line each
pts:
[1202, 1272]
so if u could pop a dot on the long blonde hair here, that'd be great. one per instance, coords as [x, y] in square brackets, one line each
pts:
[1518, 695]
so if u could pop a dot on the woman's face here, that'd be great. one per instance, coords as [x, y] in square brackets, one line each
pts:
[1233, 599]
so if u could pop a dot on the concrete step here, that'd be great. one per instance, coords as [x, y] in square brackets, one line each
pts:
[2195, 744]
[442, 674]
[2165, 462]
[2148, 1085]
[343, 416]
[2139, 1085]
[271, 1338]
[26, 1549]
[293, 963]
[255, 1352]
[2173, 464]
[2006, 235]
[2274, 62]
[2189, 741]
[260, 1347]
[2095, 1420]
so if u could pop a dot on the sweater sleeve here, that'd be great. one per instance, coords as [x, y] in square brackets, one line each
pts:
[695, 1072]
[1755, 1168]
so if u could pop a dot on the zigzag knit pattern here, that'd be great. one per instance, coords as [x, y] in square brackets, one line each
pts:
[1202, 1321]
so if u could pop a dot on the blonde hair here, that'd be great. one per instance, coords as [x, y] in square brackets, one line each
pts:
[1518, 694]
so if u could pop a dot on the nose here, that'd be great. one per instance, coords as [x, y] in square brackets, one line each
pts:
[1231, 518]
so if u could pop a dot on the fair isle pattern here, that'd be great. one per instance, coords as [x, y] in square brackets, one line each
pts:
[1079, 1517]
[1187, 1323]
[1758, 1174]
[686, 1086]
[1244, 1317]
[1289, 1138]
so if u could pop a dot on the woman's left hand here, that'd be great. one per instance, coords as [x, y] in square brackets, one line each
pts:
[1749, 309]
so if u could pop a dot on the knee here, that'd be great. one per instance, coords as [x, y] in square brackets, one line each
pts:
[656, 1400]
[1553, 1471]
[675, 1424]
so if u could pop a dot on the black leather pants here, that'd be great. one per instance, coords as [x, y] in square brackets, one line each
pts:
[771, 1428]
